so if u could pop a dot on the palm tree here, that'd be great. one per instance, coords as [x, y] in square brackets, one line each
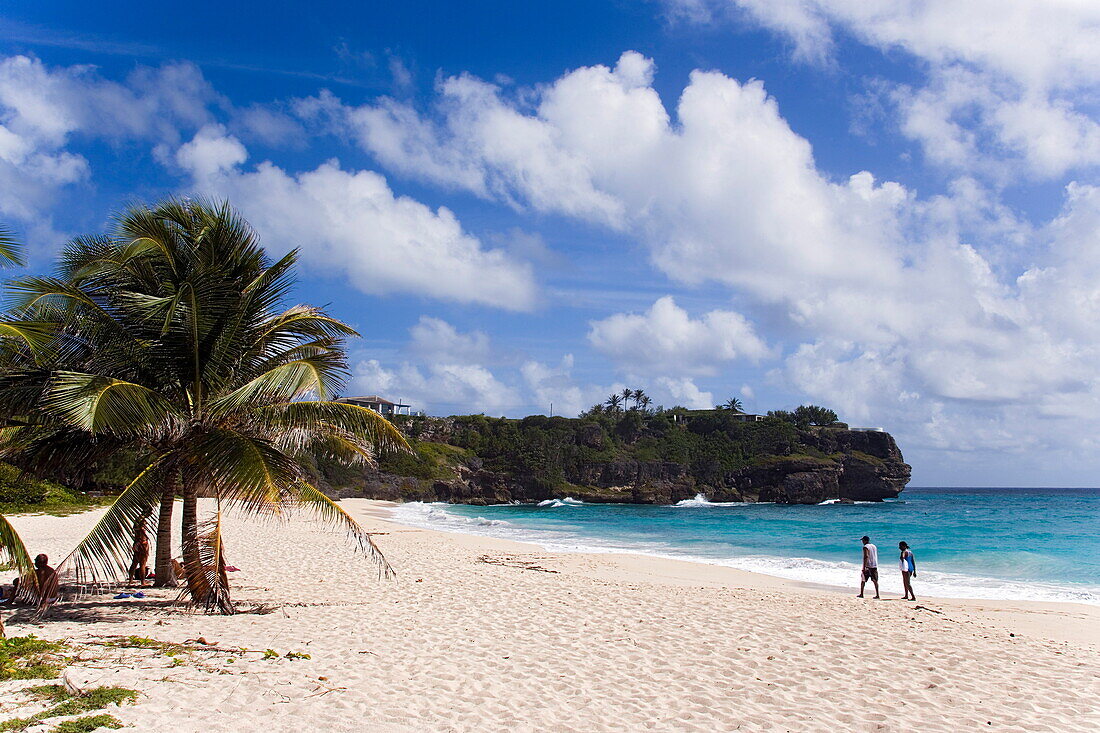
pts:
[627, 394]
[13, 551]
[733, 404]
[184, 349]
[644, 401]
[613, 402]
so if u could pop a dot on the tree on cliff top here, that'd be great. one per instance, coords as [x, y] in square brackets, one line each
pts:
[732, 404]
[814, 415]
[806, 415]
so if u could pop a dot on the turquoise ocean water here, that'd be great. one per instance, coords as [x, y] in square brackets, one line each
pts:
[1028, 544]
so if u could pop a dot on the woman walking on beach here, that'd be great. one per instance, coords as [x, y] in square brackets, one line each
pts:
[908, 570]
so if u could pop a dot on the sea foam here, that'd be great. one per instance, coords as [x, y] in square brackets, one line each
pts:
[700, 501]
[554, 503]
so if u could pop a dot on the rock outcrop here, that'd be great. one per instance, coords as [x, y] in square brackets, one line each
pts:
[819, 464]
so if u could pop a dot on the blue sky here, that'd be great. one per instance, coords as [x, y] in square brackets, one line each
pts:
[890, 208]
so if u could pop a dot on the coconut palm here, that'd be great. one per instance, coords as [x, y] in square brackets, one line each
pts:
[184, 349]
[733, 404]
[627, 395]
[613, 402]
[13, 552]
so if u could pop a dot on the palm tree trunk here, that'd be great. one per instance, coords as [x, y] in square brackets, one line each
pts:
[192, 562]
[165, 575]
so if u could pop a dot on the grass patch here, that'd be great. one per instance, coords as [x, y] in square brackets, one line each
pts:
[21, 493]
[65, 704]
[793, 458]
[18, 724]
[94, 699]
[53, 693]
[867, 458]
[30, 658]
[88, 724]
[429, 461]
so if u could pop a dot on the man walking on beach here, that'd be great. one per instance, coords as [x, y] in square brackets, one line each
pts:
[870, 566]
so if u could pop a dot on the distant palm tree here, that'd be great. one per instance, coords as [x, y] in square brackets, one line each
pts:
[613, 402]
[733, 404]
[173, 337]
[627, 395]
[645, 401]
[637, 397]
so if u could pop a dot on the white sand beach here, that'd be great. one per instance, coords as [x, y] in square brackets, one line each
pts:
[479, 634]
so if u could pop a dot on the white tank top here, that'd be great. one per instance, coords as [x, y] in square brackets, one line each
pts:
[872, 555]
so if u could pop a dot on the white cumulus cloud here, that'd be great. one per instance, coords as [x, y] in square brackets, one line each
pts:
[1007, 81]
[42, 109]
[352, 222]
[666, 339]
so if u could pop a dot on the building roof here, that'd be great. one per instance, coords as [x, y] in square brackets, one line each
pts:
[372, 399]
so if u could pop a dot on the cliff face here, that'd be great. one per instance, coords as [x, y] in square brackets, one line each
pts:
[586, 460]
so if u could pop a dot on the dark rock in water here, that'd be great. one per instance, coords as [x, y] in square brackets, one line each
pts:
[478, 460]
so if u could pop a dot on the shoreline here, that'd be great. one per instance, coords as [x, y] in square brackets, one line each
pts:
[388, 511]
[1079, 622]
[485, 634]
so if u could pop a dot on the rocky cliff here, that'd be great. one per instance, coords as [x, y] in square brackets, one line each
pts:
[642, 459]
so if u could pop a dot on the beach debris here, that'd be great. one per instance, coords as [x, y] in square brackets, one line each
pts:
[68, 679]
[515, 561]
[322, 690]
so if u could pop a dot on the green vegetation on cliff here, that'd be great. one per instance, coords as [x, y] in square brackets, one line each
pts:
[616, 454]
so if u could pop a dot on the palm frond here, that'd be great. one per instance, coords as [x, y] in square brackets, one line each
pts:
[248, 473]
[208, 583]
[321, 419]
[11, 249]
[35, 335]
[305, 321]
[106, 552]
[284, 383]
[313, 499]
[15, 557]
[101, 404]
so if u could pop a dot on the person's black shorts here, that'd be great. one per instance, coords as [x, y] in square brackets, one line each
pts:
[871, 574]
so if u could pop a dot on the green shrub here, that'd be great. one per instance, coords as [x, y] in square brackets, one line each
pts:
[19, 488]
[429, 461]
[21, 492]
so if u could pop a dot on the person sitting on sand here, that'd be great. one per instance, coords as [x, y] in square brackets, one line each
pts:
[46, 578]
[908, 570]
[870, 566]
[178, 573]
[139, 566]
